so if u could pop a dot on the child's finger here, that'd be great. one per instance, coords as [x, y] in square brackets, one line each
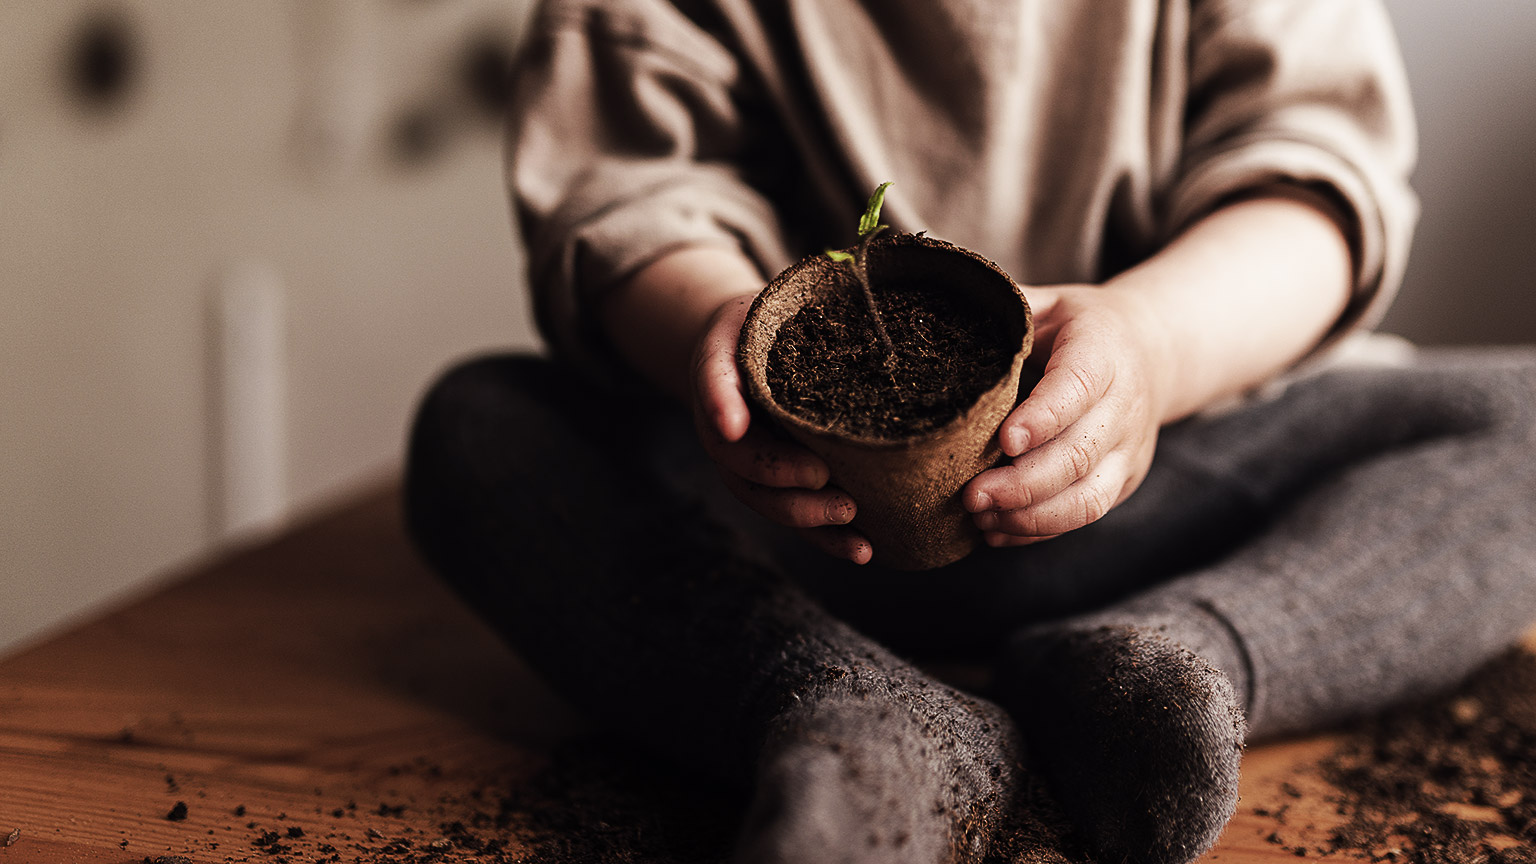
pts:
[768, 461]
[999, 539]
[795, 508]
[717, 386]
[844, 543]
[1048, 469]
[1081, 503]
[1074, 380]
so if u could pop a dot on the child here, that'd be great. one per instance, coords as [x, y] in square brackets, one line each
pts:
[1206, 204]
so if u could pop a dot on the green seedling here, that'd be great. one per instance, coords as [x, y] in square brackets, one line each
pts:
[869, 226]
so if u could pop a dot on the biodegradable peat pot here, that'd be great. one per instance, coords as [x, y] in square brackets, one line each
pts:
[905, 477]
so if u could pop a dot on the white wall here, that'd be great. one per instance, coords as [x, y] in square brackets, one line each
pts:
[258, 137]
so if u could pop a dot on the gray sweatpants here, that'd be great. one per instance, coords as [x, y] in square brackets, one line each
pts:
[1365, 537]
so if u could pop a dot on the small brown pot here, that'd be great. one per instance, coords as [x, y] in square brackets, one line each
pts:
[907, 488]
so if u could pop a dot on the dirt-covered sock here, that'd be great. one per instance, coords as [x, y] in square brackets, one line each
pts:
[1139, 737]
[885, 767]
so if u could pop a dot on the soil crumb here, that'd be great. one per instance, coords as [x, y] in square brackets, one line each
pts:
[829, 366]
[1446, 781]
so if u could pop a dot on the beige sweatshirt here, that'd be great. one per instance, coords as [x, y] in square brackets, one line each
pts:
[1065, 139]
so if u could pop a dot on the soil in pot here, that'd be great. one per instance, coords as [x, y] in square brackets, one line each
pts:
[829, 367]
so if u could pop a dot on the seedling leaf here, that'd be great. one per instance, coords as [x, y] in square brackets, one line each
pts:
[839, 256]
[869, 223]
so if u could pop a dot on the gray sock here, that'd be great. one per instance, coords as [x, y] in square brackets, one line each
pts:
[1139, 737]
[870, 766]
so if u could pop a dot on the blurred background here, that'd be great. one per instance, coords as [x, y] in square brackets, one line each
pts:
[237, 240]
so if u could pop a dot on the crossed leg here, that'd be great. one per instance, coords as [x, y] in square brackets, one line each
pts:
[1296, 562]
[636, 606]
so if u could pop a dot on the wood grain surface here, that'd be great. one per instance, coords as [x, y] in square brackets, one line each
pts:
[326, 684]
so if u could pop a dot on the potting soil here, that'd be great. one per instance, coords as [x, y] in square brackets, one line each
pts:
[829, 367]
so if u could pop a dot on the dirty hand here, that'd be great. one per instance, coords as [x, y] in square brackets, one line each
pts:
[1082, 441]
[778, 478]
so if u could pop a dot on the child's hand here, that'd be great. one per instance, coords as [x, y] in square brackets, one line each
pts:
[1083, 439]
[1240, 296]
[779, 479]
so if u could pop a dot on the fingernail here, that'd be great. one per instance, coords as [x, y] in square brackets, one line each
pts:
[981, 501]
[840, 512]
[1014, 441]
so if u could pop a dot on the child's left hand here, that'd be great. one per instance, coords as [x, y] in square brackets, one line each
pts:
[1083, 439]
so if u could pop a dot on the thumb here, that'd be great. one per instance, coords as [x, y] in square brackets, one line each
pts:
[719, 396]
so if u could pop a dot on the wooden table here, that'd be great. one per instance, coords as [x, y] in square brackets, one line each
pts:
[326, 689]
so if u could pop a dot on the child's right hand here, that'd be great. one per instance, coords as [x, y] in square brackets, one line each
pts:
[776, 477]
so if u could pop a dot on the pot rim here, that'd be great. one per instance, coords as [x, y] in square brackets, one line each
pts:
[762, 395]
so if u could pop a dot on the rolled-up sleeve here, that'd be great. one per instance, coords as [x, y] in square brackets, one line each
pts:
[1310, 92]
[621, 148]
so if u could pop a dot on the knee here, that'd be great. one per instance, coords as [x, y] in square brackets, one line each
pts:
[467, 406]
[471, 388]
[1477, 392]
[1502, 382]
[482, 398]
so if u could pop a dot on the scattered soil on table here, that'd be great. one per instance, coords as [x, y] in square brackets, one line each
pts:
[829, 367]
[1448, 781]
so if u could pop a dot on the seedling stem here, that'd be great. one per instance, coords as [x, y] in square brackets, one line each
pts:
[869, 226]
